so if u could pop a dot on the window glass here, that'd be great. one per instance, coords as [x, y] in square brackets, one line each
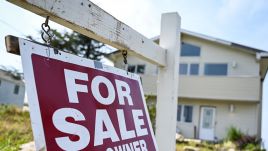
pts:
[0, 82]
[16, 89]
[194, 69]
[189, 50]
[179, 113]
[188, 113]
[141, 69]
[131, 68]
[183, 69]
[216, 69]
[207, 118]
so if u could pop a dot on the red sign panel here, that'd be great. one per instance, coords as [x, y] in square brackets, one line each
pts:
[84, 108]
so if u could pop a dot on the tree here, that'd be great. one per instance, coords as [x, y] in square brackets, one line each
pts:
[76, 43]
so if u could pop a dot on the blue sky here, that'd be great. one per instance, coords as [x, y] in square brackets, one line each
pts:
[240, 21]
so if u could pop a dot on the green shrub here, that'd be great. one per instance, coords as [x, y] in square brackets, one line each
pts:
[234, 134]
[243, 141]
[151, 106]
[252, 147]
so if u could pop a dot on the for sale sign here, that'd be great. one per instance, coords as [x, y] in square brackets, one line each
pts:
[80, 104]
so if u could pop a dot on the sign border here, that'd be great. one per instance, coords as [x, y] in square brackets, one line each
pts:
[27, 49]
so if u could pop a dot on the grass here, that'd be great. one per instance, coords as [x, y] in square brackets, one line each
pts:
[201, 146]
[15, 128]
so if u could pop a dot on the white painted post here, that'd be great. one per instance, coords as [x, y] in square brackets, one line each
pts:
[167, 87]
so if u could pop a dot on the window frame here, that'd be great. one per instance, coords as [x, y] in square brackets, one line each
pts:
[137, 68]
[185, 119]
[16, 89]
[182, 117]
[190, 69]
[180, 68]
[208, 73]
[185, 53]
[131, 66]
[179, 111]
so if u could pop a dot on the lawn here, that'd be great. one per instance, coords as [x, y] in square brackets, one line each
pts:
[15, 128]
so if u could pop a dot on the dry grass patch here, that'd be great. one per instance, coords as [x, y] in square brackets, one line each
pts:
[15, 128]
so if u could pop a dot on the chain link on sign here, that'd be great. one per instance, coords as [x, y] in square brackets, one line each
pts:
[47, 35]
[124, 54]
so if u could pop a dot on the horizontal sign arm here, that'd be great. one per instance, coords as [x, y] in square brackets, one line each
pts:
[87, 18]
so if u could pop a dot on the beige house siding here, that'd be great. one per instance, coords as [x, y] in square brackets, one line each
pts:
[244, 117]
[241, 83]
[241, 87]
[240, 63]
[211, 87]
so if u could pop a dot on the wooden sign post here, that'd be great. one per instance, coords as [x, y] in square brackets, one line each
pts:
[86, 18]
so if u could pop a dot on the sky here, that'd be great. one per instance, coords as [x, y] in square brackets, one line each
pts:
[241, 21]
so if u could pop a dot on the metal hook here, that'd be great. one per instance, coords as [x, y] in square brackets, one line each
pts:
[46, 31]
[46, 22]
[124, 54]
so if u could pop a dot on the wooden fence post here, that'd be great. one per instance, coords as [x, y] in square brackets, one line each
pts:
[167, 86]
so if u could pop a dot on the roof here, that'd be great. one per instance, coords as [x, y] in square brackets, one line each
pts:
[12, 77]
[217, 40]
[212, 39]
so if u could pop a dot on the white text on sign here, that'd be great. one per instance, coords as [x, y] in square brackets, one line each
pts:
[104, 128]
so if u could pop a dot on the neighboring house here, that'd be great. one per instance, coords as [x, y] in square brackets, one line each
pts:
[12, 89]
[220, 85]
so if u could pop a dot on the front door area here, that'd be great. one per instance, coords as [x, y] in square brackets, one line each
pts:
[207, 123]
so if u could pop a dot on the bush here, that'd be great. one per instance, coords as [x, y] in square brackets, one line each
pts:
[252, 147]
[243, 141]
[234, 134]
[151, 106]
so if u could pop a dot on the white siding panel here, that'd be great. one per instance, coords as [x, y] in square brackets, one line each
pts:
[7, 95]
[244, 117]
[211, 87]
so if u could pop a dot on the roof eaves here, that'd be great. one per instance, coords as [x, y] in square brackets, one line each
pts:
[217, 40]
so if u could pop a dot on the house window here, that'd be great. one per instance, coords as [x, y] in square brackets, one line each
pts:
[140, 69]
[189, 50]
[194, 69]
[179, 113]
[188, 113]
[16, 89]
[183, 69]
[131, 68]
[216, 69]
[0, 82]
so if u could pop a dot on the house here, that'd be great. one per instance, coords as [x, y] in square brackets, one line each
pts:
[220, 85]
[12, 88]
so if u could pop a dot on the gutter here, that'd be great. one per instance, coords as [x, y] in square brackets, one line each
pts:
[261, 55]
